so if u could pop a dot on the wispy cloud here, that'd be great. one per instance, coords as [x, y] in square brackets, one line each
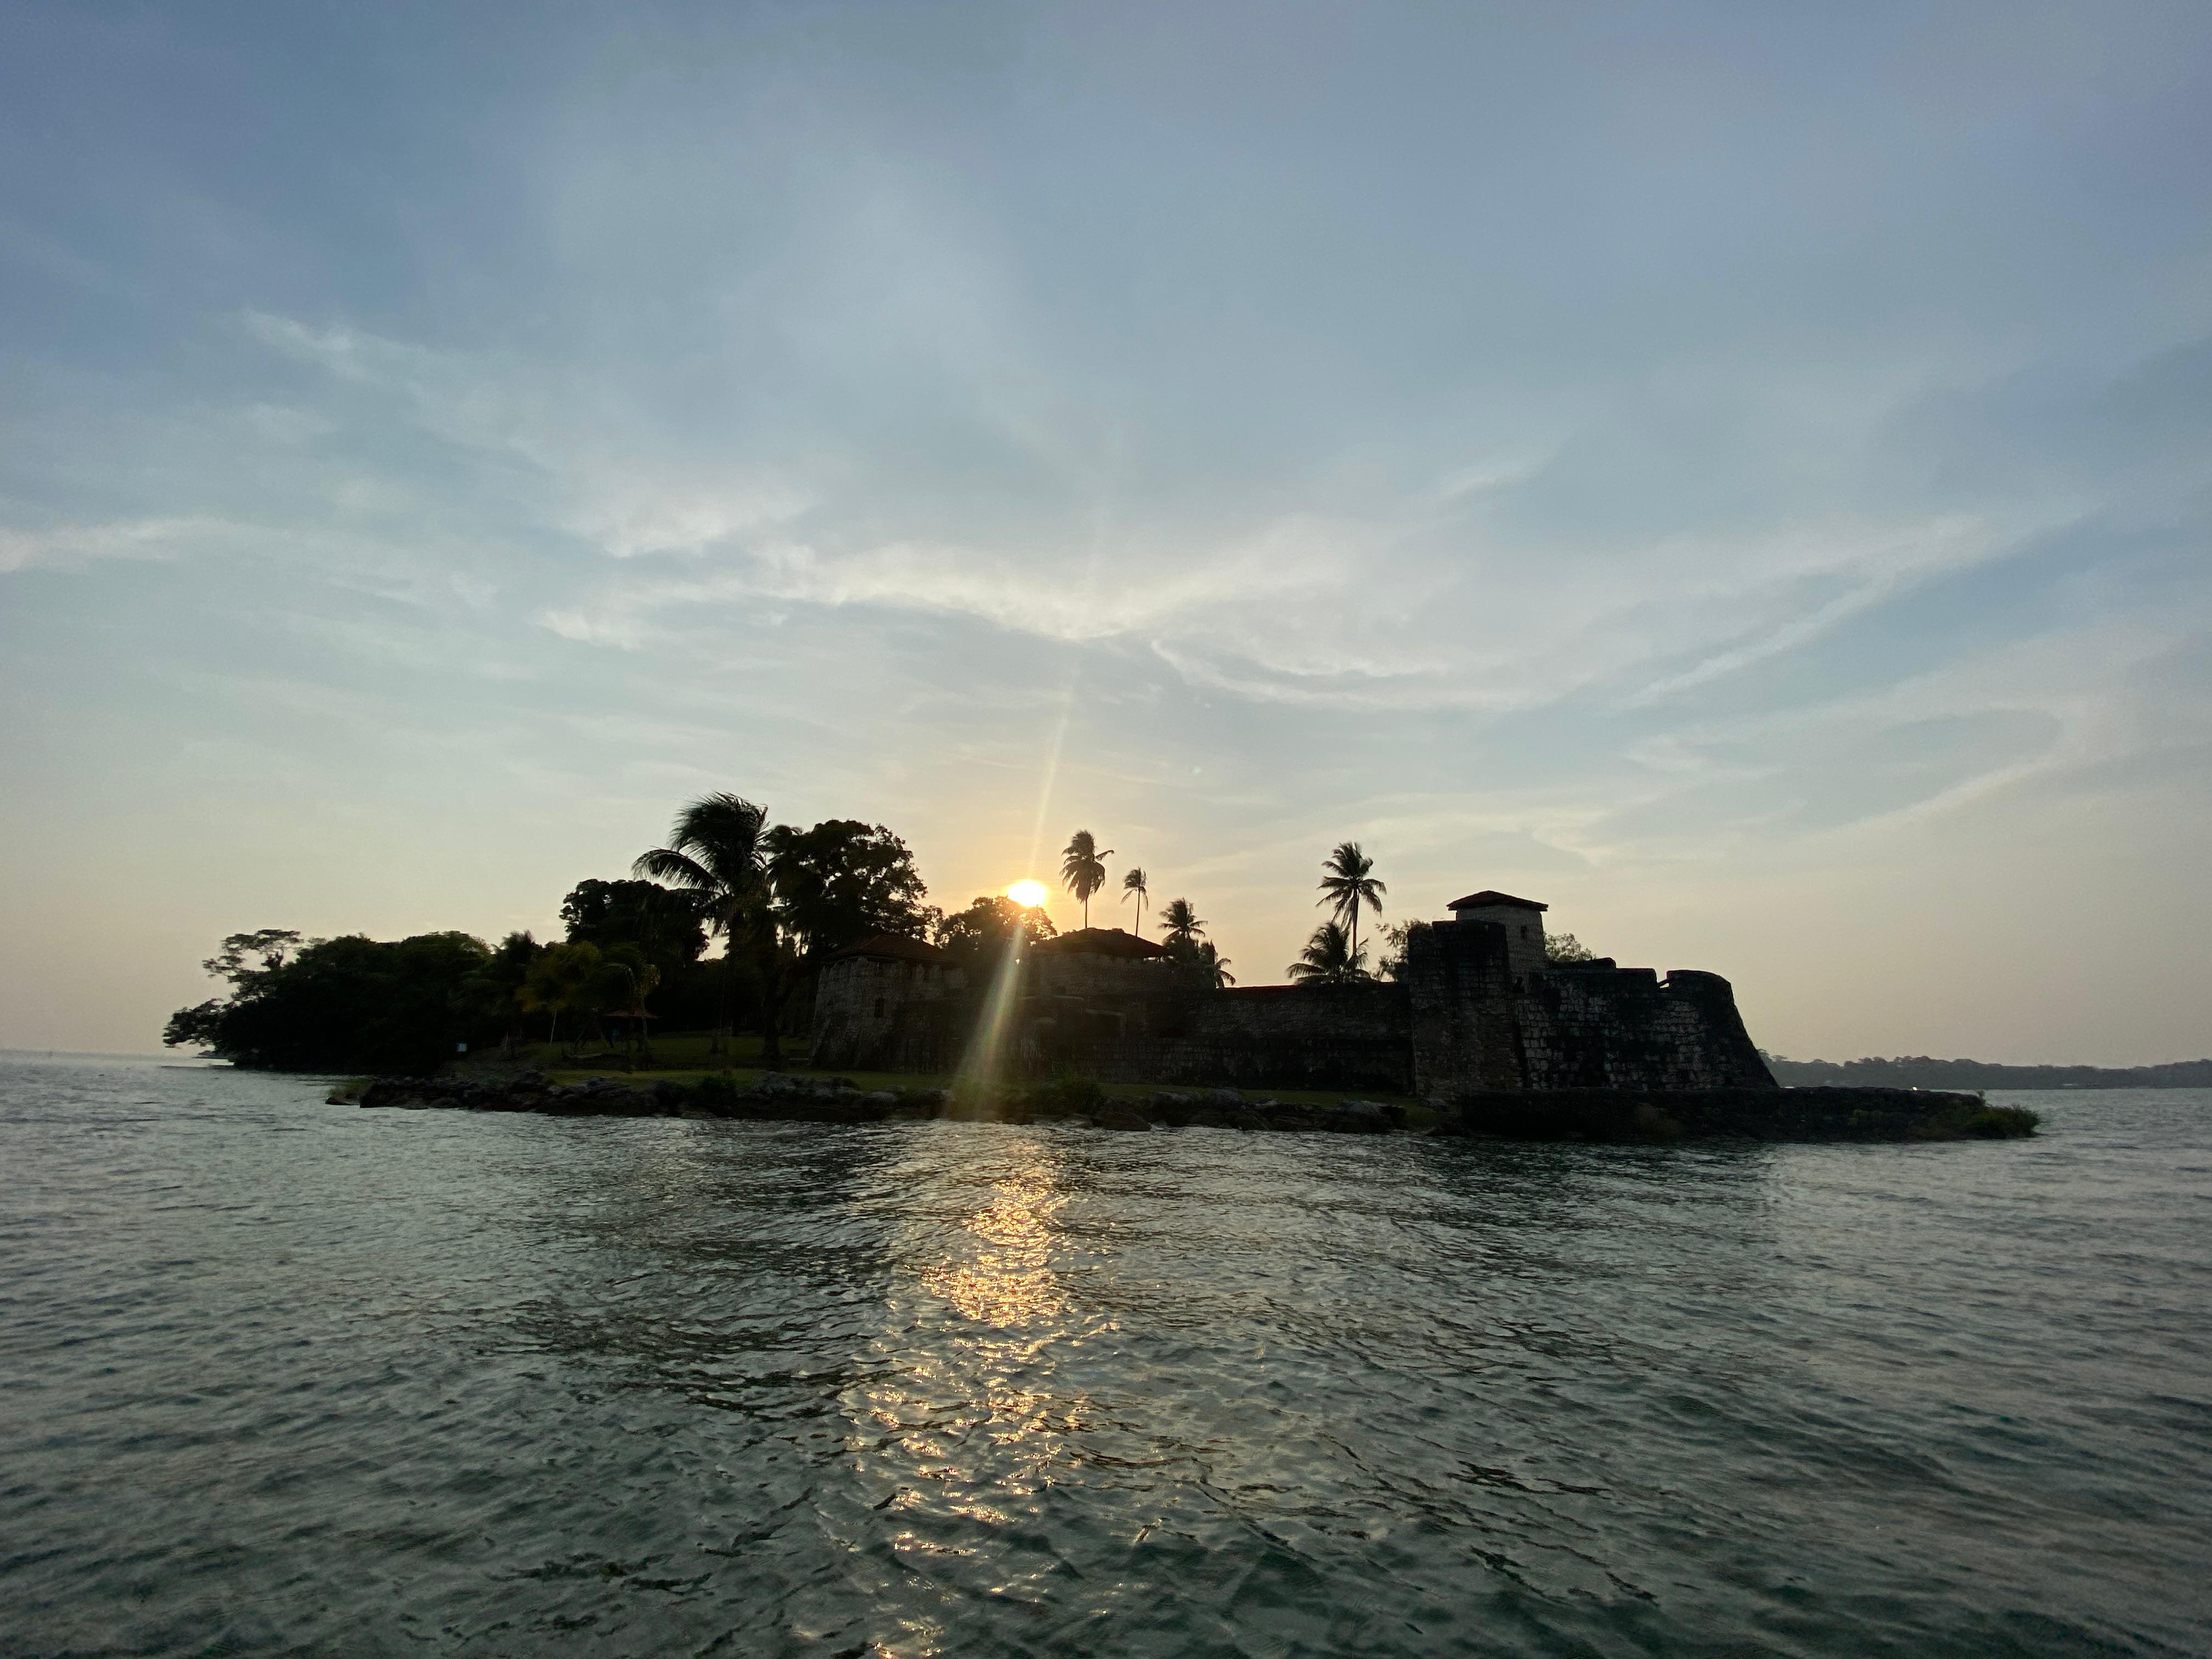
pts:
[66, 545]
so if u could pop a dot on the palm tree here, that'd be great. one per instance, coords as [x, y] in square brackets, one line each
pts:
[1082, 869]
[1133, 884]
[560, 981]
[626, 977]
[1347, 881]
[1329, 958]
[1181, 923]
[718, 850]
[1214, 964]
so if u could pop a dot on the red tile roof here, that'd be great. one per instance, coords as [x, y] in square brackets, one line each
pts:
[1486, 897]
[892, 946]
[1101, 942]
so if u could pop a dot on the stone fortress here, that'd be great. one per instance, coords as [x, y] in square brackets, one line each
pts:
[1478, 1006]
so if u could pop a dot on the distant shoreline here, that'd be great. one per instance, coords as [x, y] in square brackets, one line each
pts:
[1925, 1072]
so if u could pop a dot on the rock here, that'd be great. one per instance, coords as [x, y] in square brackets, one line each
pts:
[785, 1083]
[1224, 1100]
[1115, 1115]
[1368, 1117]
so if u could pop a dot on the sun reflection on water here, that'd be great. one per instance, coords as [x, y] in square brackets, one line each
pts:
[1006, 1279]
[962, 1431]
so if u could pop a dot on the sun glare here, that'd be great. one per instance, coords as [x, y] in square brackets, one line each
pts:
[1028, 894]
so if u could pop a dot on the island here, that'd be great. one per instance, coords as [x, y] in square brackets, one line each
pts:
[870, 1005]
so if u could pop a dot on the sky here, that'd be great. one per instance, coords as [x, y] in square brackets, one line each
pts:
[1741, 475]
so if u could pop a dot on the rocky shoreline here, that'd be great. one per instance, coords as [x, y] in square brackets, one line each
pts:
[1586, 1114]
[781, 1098]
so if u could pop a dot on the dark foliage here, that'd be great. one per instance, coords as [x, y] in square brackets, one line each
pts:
[978, 936]
[344, 1005]
[663, 922]
[844, 881]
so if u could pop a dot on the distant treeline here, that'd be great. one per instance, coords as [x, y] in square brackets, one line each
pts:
[1921, 1071]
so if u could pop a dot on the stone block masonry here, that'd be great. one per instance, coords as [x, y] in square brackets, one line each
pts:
[1475, 1009]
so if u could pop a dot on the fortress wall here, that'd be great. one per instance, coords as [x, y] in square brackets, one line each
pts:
[1461, 1020]
[1097, 979]
[1352, 1037]
[875, 1014]
[1623, 1028]
[1309, 1012]
[1459, 982]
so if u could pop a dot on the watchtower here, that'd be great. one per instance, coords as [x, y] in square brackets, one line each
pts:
[1523, 921]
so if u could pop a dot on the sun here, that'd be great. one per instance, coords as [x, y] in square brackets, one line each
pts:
[1028, 894]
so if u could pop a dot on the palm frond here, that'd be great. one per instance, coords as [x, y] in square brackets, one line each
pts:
[676, 869]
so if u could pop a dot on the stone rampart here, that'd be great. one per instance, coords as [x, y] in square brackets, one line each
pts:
[887, 1014]
[1275, 1036]
[1467, 1016]
[1626, 1028]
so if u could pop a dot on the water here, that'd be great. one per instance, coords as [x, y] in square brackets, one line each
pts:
[280, 1376]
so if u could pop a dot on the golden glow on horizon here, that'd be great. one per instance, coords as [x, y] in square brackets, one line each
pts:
[1028, 894]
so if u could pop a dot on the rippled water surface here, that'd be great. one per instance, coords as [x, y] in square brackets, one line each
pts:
[276, 1375]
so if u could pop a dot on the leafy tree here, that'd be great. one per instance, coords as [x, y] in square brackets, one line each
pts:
[718, 852]
[1565, 947]
[663, 922]
[268, 949]
[1329, 958]
[1133, 888]
[1181, 923]
[1397, 938]
[492, 996]
[348, 1004]
[1349, 882]
[979, 935]
[844, 881]
[1082, 869]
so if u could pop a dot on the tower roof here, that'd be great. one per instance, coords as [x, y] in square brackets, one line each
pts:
[894, 946]
[1488, 899]
[1101, 941]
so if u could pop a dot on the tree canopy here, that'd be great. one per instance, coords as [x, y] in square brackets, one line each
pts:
[981, 934]
[844, 881]
[1565, 947]
[663, 922]
[340, 1005]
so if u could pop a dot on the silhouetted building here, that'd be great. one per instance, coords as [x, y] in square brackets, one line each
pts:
[1478, 1005]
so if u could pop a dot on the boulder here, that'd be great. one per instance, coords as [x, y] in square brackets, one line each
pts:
[1368, 1117]
[1115, 1115]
